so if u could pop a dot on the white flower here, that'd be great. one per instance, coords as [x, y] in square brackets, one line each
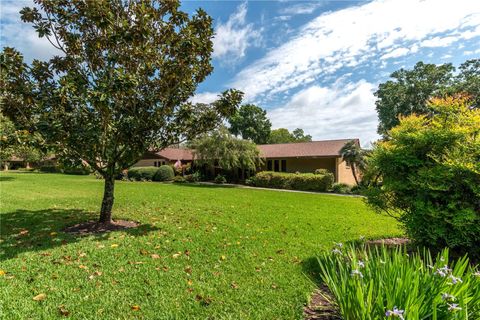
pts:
[454, 279]
[448, 297]
[356, 272]
[443, 271]
[336, 251]
[361, 264]
[339, 244]
[453, 307]
[394, 313]
[442, 259]
[477, 274]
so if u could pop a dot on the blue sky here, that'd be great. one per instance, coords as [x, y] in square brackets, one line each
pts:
[312, 64]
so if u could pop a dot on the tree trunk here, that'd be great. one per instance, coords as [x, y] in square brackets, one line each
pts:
[107, 202]
[354, 172]
[27, 166]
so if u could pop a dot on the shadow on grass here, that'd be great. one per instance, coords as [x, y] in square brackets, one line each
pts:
[6, 178]
[311, 269]
[30, 231]
[205, 186]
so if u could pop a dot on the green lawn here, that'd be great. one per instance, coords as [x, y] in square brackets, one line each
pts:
[201, 251]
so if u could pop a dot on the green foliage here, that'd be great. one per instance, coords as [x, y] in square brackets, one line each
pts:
[77, 170]
[354, 157]
[50, 169]
[282, 135]
[251, 123]
[321, 171]
[220, 148]
[194, 177]
[8, 138]
[142, 173]
[341, 188]
[220, 179]
[121, 85]
[179, 179]
[410, 90]
[294, 181]
[430, 176]
[367, 283]
[164, 173]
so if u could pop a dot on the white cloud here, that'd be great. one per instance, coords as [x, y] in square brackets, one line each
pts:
[204, 97]
[22, 36]
[234, 37]
[301, 8]
[395, 53]
[339, 112]
[438, 42]
[352, 36]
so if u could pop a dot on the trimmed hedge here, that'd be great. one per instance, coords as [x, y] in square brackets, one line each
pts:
[293, 181]
[142, 173]
[50, 169]
[77, 170]
[164, 173]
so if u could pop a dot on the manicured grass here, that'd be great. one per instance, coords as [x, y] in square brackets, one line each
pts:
[201, 251]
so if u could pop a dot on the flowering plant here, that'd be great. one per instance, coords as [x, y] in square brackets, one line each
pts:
[385, 283]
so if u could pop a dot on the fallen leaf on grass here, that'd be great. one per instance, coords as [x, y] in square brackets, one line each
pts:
[176, 255]
[2, 272]
[234, 285]
[64, 312]
[190, 282]
[114, 245]
[53, 234]
[135, 308]
[223, 257]
[155, 256]
[40, 297]
[143, 252]
[82, 266]
[188, 270]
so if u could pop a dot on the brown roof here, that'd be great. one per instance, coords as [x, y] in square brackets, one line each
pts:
[326, 148]
[175, 154]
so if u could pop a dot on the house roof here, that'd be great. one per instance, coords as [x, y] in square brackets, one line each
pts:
[174, 154]
[325, 148]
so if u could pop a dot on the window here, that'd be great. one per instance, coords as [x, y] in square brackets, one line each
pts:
[155, 163]
[277, 165]
[284, 165]
[269, 165]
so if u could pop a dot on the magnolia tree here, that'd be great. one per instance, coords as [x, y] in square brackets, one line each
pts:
[121, 84]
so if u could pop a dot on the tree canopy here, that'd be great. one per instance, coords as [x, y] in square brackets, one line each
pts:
[410, 90]
[221, 148]
[282, 135]
[430, 175]
[251, 122]
[122, 84]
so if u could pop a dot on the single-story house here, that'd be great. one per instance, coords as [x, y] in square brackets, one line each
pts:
[285, 157]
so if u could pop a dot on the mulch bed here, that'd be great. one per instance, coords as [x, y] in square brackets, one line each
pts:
[319, 307]
[91, 227]
[389, 241]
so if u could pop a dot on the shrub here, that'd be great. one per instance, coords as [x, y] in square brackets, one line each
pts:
[194, 177]
[142, 173]
[321, 171]
[295, 181]
[370, 283]
[219, 179]
[50, 169]
[341, 188]
[430, 174]
[179, 179]
[164, 173]
[80, 170]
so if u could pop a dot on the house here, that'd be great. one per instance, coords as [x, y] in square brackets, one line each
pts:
[285, 157]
